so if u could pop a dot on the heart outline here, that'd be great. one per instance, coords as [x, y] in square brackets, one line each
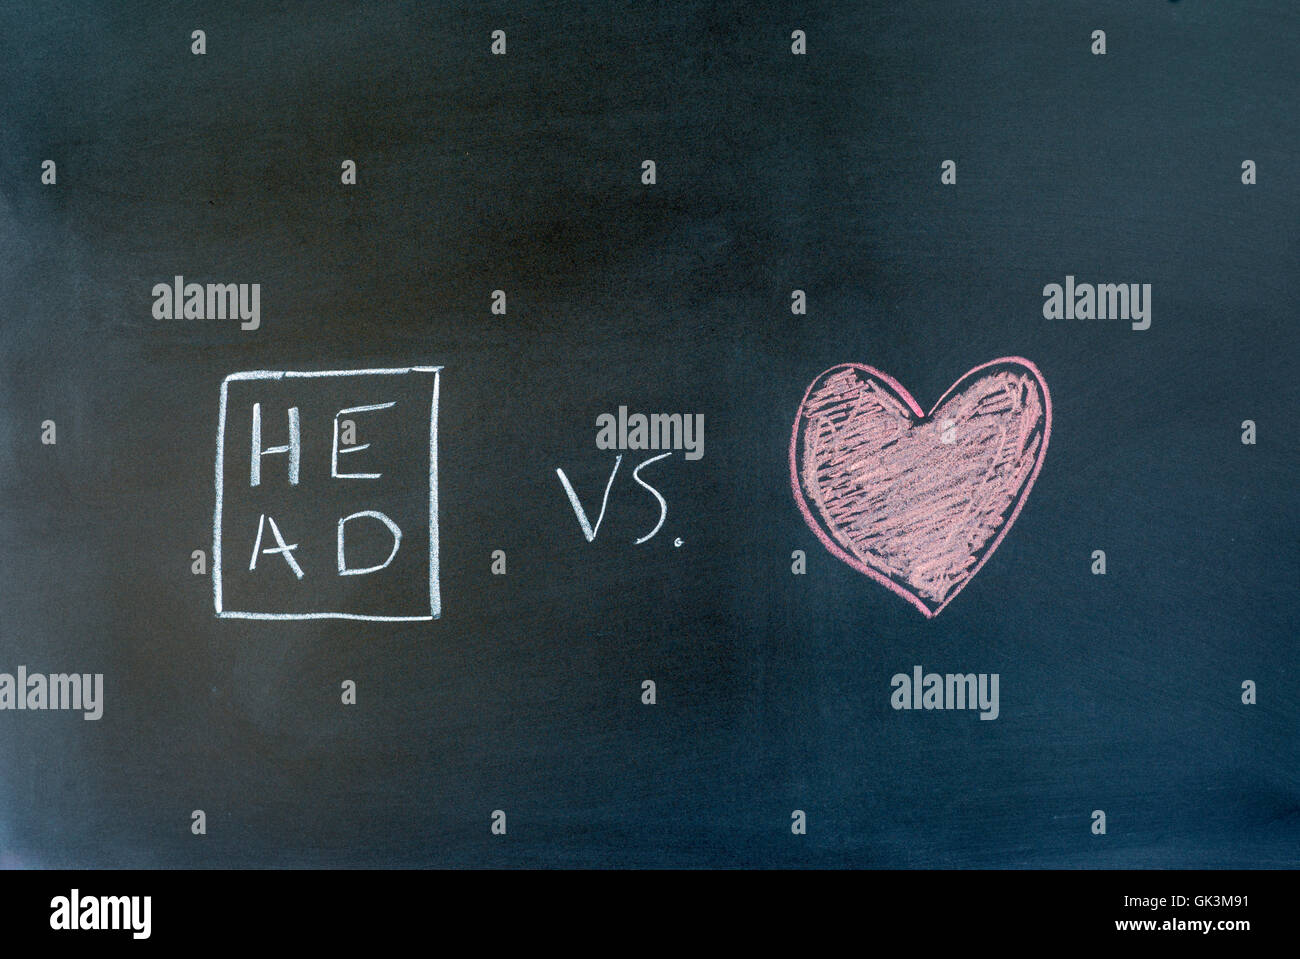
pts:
[918, 418]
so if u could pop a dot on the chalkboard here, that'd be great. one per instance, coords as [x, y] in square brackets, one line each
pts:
[649, 435]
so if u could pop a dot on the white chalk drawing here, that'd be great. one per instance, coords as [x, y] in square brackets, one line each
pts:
[293, 449]
[344, 569]
[284, 548]
[334, 461]
[588, 530]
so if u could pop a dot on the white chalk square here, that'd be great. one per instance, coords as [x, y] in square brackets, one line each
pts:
[223, 504]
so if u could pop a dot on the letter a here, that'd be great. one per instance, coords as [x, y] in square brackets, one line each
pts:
[162, 304]
[59, 917]
[1052, 302]
[1098, 42]
[282, 549]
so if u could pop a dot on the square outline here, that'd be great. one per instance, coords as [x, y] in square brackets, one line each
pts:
[435, 594]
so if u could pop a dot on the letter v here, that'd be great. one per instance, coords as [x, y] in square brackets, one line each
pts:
[587, 529]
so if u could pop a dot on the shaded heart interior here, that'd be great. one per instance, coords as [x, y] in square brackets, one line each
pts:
[920, 500]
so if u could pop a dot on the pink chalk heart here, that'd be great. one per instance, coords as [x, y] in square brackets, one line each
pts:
[918, 501]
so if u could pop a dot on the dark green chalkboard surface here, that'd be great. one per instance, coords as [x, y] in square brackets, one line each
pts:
[567, 596]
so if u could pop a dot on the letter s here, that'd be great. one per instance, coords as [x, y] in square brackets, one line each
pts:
[663, 505]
